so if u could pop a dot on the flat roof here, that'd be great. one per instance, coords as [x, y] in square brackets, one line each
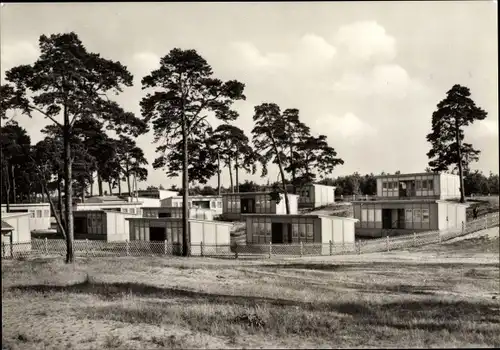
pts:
[253, 193]
[20, 205]
[191, 197]
[6, 226]
[412, 174]
[109, 204]
[298, 216]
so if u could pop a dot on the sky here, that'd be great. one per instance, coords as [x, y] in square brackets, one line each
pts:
[368, 75]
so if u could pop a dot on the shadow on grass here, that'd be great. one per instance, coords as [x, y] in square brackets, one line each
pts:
[430, 315]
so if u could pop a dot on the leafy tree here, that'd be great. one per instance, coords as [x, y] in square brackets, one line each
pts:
[314, 155]
[68, 81]
[249, 186]
[267, 133]
[15, 147]
[453, 113]
[131, 159]
[184, 91]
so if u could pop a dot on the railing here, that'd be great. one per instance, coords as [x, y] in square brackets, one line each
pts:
[90, 248]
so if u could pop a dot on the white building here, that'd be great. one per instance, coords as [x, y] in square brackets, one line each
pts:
[203, 202]
[39, 214]
[235, 204]
[110, 203]
[110, 226]
[16, 233]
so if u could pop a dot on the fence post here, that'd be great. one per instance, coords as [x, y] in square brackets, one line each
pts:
[463, 227]
[46, 246]
[236, 250]
[331, 248]
[414, 239]
[201, 248]
[387, 242]
[301, 249]
[126, 247]
[270, 249]
[87, 247]
[358, 247]
[165, 247]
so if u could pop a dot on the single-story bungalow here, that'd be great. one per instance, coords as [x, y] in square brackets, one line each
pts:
[39, 214]
[110, 226]
[202, 202]
[176, 212]
[395, 217]
[293, 229]
[314, 195]
[16, 233]
[169, 230]
[111, 203]
[236, 204]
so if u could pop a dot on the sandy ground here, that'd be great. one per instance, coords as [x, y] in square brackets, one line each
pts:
[45, 318]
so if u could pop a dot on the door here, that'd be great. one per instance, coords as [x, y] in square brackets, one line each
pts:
[80, 225]
[156, 234]
[386, 218]
[401, 218]
[277, 233]
[247, 205]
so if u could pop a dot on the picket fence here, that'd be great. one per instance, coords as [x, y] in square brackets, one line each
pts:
[91, 248]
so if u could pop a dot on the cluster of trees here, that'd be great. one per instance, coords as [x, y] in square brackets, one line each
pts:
[72, 88]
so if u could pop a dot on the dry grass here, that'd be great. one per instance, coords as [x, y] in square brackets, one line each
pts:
[446, 296]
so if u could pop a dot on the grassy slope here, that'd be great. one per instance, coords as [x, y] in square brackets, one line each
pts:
[444, 296]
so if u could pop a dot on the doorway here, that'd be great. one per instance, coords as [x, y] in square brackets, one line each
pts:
[156, 234]
[386, 218]
[80, 225]
[247, 205]
[277, 233]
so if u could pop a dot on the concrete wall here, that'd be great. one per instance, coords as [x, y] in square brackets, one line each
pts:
[323, 195]
[281, 206]
[211, 233]
[449, 185]
[39, 214]
[118, 228]
[451, 215]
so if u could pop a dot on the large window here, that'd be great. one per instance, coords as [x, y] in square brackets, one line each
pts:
[417, 215]
[364, 215]
[425, 215]
[371, 215]
[409, 215]
[431, 184]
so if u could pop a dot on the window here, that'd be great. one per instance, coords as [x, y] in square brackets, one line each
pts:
[364, 215]
[425, 215]
[310, 231]
[46, 213]
[384, 185]
[418, 185]
[389, 185]
[32, 213]
[295, 230]
[424, 184]
[417, 215]
[371, 215]
[302, 230]
[219, 204]
[431, 185]
[378, 215]
[38, 213]
[409, 215]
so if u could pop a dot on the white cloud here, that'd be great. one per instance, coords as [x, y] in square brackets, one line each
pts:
[145, 62]
[21, 52]
[313, 50]
[348, 126]
[389, 80]
[250, 56]
[365, 41]
[485, 128]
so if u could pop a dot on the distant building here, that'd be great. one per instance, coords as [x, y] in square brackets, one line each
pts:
[16, 233]
[203, 202]
[176, 212]
[235, 204]
[39, 214]
[153, 193]
[110, 226]
[110, 203]
[408, 203]
[313, 195]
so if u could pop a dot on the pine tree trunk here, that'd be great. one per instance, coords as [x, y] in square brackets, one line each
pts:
[282, 173]
[99, 183]
[59, 200]
[294, 187]
[68, 189]
[460, 168]
[185, 189]
[128, 182]
[236, 169]
[5, 175]
[218, 173]
[231, 176]
[119, 186]
[14, 194]
[92, 188]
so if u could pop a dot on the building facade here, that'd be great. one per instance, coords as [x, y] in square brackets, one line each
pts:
[39, 214]
[16, 233]
[176, 212]
[203, 202]
[110, 226]
[111, 203]
[408, 203]
[235, 204]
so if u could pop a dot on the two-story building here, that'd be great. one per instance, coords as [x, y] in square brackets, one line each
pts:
[408, 203]
[313, 195]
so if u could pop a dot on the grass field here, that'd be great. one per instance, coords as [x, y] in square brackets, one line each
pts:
[436, 296]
